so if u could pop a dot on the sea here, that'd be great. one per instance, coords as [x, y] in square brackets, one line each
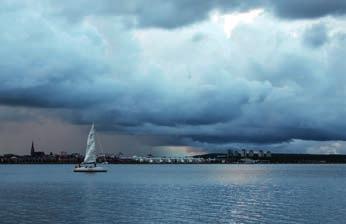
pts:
[205, 193]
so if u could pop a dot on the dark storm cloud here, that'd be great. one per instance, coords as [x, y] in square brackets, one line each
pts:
[173, 14]
[258, 87]
[296, 9]
[53, 95]
[154, 13]
[272, 135]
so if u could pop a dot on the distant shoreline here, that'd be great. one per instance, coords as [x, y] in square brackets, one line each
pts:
[211, 158]
[187, 164]
[204, 163]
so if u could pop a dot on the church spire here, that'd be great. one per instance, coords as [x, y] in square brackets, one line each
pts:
[32, 152]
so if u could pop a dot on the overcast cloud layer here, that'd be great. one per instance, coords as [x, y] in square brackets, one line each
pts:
[206, 74]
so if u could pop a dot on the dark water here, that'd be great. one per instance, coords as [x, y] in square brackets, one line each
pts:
[174, 194]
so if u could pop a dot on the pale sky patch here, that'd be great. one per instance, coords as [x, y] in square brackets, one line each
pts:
[231, 21]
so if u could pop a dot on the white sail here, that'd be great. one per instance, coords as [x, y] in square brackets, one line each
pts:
[90, 154]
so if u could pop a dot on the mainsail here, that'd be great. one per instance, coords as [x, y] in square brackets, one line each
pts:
[90, 154]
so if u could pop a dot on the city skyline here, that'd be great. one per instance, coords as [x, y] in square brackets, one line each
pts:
[173, 77]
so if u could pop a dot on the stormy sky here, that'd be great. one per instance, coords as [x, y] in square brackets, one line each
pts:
[174, 76]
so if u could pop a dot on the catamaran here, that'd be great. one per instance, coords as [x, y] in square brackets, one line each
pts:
[89, 163]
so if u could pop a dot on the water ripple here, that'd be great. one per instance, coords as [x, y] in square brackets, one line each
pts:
[174, 194]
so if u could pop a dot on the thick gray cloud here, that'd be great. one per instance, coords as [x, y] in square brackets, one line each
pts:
[295, 9]
[174, 14]
[154, 13]
[188, 86]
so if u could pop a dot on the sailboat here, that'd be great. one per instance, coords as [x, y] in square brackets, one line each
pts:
[89, 163]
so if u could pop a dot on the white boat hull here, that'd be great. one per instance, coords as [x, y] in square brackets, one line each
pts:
[90, 169]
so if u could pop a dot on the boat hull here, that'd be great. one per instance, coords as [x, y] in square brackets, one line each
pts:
[90, 169]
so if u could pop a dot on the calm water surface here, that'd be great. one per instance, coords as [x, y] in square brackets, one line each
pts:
[174, 194]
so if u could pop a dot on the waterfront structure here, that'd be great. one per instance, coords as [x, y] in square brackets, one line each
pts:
[33, 153]
[166, 160]
[230, 153]
[243, 153]
[75, 158]
[251, 153]
[260, 153]
[248, 161]
[230, 156]
[268, 154]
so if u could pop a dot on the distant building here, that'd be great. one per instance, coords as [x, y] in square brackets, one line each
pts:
[268, 154]
[243, 153]
[63, 154]
[251, 153]
[260, 153]
[236, 153]
[230, 153]
[33, 153]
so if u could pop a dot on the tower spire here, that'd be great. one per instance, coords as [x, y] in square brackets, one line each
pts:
[32, 152]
